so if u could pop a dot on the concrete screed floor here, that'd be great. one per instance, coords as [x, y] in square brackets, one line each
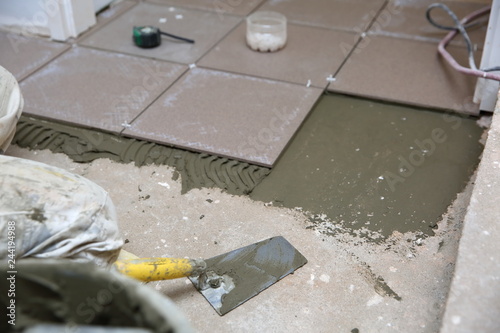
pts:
[349, 285]
[400, 284]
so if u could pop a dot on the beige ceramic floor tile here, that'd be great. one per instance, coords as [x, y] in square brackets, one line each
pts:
[352, 15]
[95, 88]
[23, 55]
[311, 54]
[204, 27]
[409, 72]
[228, 115]
[221, 7]
[406, 18]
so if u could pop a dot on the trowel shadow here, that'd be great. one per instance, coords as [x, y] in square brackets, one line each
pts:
[178, 292]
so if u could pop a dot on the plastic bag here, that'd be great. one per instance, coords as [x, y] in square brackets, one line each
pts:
[54, 214]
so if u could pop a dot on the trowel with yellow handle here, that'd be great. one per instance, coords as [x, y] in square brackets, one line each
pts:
[227, 280]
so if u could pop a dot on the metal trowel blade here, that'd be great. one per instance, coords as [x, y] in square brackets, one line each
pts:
[233, 278]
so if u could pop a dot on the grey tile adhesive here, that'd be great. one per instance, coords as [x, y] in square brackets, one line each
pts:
[83, 145]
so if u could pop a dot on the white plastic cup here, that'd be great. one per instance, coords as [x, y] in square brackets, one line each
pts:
[266, 31]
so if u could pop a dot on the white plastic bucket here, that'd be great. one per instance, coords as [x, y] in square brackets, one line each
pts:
[11, 106]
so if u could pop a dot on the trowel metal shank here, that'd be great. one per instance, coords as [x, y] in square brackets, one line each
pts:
[233, 278]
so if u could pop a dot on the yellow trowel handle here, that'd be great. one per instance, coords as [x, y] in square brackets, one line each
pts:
[154, 269]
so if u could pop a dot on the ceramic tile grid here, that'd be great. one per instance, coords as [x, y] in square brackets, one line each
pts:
[95, 88]
[221, 7]
[310, 56]
[242, 114]
[351, 15]
[23, 55]
[406, 19]
[206, 28]
[231, 115]
[409, 72]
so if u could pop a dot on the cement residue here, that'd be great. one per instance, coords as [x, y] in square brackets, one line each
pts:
[258, 268]
[84, 145]
[373, 167]
[245, 272]
[328, 292]
[410, 247]
[379, 285]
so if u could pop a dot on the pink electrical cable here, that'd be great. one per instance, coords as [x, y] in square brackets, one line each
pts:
[449, 37]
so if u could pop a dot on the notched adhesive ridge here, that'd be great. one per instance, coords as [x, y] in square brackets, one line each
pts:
[197, 170]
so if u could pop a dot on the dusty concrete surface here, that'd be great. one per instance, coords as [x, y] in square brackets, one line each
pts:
[397, 285]
[474, 301]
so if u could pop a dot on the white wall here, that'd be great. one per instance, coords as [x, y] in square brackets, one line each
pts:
[27, 16]
[58, 19]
